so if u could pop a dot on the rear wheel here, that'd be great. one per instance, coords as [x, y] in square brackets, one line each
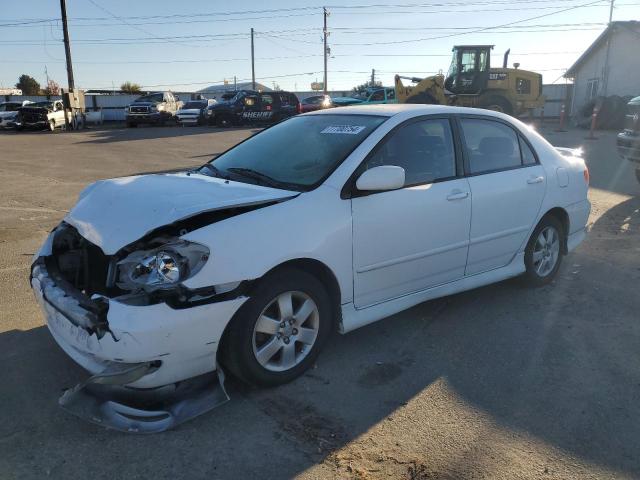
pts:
[279, 332]
[131, 125]
[543, 254]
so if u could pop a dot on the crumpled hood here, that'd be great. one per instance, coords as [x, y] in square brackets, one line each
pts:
[114, 213]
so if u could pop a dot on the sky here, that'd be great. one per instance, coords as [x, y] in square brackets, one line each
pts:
[189, 45]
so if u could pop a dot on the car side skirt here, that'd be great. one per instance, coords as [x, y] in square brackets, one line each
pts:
[353, 318]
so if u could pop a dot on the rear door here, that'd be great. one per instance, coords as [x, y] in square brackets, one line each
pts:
[288, 105]
[507, 188]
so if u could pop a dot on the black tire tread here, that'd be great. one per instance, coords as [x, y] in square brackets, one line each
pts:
[235, 351]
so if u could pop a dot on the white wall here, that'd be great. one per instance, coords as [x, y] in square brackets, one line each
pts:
[624, 68]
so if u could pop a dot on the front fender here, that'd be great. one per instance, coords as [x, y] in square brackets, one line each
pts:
[315, 225]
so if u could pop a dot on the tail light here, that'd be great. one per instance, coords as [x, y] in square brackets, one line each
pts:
[586, 174]
[299, 108]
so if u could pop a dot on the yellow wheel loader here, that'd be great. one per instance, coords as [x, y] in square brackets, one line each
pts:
[471, 82]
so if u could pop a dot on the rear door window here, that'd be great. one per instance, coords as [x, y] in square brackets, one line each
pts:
[490, 145]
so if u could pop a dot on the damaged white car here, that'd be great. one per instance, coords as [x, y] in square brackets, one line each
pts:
[326, 221]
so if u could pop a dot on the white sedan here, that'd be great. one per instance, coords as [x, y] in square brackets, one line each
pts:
[327, 221]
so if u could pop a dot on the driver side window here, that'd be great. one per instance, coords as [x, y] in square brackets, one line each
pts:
[423, 148]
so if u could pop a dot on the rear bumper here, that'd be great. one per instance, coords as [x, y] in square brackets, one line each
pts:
[578, 217]
[629, 146]
[181, 343]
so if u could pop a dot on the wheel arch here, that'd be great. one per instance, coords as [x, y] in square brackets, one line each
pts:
[563, 217]
[312, 266]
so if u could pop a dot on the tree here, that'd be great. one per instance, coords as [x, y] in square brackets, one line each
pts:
[52, 88]
[129, 87]
[28, 85]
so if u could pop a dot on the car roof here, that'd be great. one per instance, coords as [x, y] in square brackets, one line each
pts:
[392, 109]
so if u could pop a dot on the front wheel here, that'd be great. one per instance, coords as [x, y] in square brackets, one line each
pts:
[499, 104]
[543, 254]
[279, 332]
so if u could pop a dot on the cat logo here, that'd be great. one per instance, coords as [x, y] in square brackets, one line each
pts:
[497, 76]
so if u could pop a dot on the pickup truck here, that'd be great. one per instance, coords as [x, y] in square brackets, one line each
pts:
[48, 114]
[628, 141]
[155, 108]
[250, 107]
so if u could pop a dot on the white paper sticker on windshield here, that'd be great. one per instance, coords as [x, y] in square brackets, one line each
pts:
[345, 129]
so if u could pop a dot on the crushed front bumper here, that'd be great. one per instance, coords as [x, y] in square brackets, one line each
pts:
[150, 366]
[184, 341]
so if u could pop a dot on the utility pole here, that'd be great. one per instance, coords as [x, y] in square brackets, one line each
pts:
[235, 83]
[324, 31]
[605, 80]
[253, 65]
[373, 77]
[611, 11]
[46, 74]
[67, 46]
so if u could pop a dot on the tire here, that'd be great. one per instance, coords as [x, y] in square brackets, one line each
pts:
[537, 274]
[224, 121]
[422, 98]
[259, 357]
[499, 104]
[131, 125]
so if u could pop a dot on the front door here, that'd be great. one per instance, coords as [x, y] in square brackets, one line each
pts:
[507, 186]
[416, 237]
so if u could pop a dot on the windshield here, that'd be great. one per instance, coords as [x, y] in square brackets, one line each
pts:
[194, 105]
[295, 154]
[453, 68]
[156, 97]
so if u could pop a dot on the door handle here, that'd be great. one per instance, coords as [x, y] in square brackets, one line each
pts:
[457, 195]
[533, 180]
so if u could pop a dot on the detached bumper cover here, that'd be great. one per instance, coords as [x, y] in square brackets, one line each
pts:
[103, 400]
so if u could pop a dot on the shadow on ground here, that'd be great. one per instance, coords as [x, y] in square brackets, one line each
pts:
[545, 362]
[150, 132]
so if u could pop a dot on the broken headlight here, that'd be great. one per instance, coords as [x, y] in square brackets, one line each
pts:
[162, 267]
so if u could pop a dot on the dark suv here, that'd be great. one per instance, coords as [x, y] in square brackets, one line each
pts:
[629, 139]
[250, 107]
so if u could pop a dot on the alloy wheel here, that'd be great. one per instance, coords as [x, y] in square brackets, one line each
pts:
[286, 331]
[546, 251]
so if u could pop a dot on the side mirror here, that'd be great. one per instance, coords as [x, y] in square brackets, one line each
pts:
[385, 177]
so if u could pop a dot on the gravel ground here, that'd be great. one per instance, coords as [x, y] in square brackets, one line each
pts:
[499, 382]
